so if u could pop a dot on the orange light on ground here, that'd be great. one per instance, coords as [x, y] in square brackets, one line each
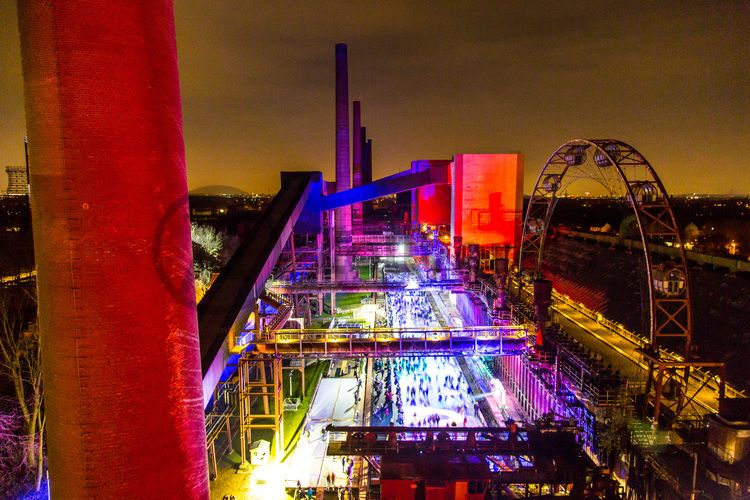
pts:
[733, 248]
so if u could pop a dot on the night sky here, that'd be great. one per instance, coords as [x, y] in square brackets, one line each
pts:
[439, 78]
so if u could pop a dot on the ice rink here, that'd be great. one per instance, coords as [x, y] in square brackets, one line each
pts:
[414, 391]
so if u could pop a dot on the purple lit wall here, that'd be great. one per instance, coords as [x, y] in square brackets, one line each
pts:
[117, 311]
[542, 302]
[343, 214]
[534, 397]
[472, 309]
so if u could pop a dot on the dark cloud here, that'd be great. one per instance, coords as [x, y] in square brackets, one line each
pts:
[438, 78]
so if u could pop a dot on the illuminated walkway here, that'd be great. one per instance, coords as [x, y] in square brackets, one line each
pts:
[620, 348]
[287, 287]
[354, 342]
[625, 358]
[333, 404]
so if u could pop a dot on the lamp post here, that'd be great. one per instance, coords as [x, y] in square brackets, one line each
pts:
[695, 475]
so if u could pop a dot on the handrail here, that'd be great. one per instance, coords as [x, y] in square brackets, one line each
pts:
[696, 373]
[642, 342]
[389, 341]
[382, 333]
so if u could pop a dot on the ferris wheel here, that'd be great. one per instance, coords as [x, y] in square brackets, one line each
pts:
[619, 171]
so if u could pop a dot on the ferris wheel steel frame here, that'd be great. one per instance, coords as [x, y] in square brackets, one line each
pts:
[670, 313]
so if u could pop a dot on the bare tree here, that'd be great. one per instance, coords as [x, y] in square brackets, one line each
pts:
[20, 361]
[15, 474]
[210, 240]
[207, 246]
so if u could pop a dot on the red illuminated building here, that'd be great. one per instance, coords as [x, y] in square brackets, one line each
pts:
[431, 204]
[434, 477]
[487, 197]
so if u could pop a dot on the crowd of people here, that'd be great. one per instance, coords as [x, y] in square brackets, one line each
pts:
[347, 471]
[385, 383]
[409, 308]
[436, 393]
[422, 392]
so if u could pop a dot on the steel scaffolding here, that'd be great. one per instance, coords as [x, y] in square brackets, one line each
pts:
[260, 399]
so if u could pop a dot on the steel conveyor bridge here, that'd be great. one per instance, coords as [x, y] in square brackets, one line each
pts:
[531, 455]
[352, 440]
[288, 287]
[377, 342]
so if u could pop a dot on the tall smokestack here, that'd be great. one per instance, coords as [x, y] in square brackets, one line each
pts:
[117, 316]
[343, 166]
[366, 167]
[366, 158]
[356, 160]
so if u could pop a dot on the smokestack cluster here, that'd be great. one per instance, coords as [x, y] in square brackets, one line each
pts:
[353, 174]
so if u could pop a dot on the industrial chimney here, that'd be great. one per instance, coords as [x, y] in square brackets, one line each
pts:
[343, 166]
[117, 315]
[356, 160]
[17, 181]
